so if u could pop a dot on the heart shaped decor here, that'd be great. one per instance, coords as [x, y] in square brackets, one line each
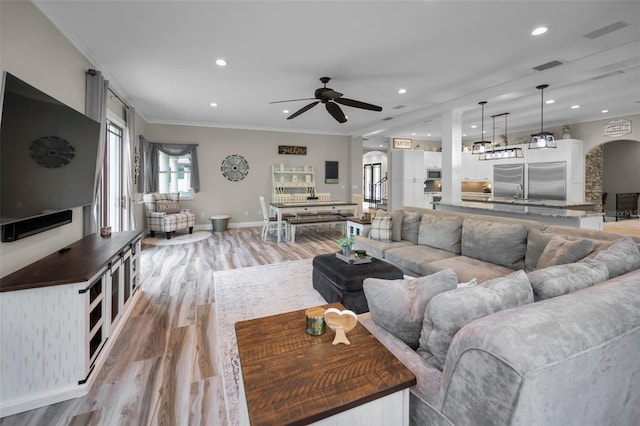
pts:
[340, 322]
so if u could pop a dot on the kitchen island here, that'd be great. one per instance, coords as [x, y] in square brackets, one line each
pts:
[550, 215]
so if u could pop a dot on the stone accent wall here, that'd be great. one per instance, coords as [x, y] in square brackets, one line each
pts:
[594, 170]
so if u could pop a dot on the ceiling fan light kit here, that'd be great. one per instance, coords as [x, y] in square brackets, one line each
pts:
[542, 139]
[482, 146]
[331, 99]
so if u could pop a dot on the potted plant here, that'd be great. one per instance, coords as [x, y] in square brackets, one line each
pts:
[346, 244]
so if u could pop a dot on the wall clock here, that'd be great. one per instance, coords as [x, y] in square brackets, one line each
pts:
[234, 168]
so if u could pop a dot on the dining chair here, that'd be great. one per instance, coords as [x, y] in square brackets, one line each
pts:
[270, 223]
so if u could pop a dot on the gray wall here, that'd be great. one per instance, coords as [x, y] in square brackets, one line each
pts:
[260, 148]
[36, 52]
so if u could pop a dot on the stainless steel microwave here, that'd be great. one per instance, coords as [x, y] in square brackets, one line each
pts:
[434, 174]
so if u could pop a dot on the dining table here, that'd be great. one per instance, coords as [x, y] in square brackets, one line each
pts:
[310, 206]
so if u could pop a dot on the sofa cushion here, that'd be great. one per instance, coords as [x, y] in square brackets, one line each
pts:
[448, 312]
[495, 242]
[168, 207]
[562, 279]
[560, 251]
[411, 226]
[377, 248]
[411, 258]
[381, 229]
[443, 232]
[398, 305]
[536, 243]
[466, 268]
[621, 257]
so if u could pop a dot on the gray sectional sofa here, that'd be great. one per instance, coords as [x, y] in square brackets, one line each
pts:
[549, 335]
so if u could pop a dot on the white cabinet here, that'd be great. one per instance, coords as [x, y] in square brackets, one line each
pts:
[407, 178]
[292, 180]
[433, 160]
[60, 315]
[474, 169]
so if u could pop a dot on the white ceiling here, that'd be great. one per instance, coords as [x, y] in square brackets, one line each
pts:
[160, 57]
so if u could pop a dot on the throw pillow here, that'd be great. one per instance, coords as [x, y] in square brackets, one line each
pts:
[398, 305]
[167, 207]
[442, 232]
[536, 243]
[499, 243]
[623, 256]
[396, 223]
[448, 312]
[411, 226]
[562, 279]
[560, 251]
[381, 229]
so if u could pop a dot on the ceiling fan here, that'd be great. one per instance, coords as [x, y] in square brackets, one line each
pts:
[331, 99]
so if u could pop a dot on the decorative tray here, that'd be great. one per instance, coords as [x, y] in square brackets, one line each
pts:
[353, 258]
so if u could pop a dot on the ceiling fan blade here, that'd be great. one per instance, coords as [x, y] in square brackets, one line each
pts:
[303, 109]
[292, 100]
[358, 104]
[336, 112]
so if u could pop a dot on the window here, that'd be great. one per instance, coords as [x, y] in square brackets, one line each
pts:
[175, 174]
[111, 196]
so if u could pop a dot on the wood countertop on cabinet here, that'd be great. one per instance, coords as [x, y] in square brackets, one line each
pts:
[75, 263]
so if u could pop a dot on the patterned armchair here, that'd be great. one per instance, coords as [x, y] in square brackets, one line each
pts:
[165, 215]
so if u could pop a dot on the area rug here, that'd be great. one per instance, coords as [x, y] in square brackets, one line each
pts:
[255, 292]
[177, 238]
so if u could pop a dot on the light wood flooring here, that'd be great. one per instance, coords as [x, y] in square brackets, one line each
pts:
[625, 227]
[164, 369]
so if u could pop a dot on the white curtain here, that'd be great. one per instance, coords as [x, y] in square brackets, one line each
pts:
[129, 222]
[96, 108]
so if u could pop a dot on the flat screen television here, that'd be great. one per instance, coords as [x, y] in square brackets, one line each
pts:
[48, 153]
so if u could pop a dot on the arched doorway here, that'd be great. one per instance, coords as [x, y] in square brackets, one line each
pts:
[612, 167]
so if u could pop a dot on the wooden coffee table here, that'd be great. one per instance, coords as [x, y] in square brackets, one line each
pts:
[292, 378]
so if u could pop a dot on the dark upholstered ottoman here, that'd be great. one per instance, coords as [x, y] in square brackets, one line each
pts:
[338, 281]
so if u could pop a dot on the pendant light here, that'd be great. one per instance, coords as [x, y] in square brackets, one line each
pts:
[501, 153]
[542, 139]
[482, 146]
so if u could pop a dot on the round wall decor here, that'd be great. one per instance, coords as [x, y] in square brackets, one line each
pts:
[52, 152]
[234, 168]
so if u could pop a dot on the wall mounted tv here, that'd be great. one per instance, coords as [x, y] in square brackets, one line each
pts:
[48, 153]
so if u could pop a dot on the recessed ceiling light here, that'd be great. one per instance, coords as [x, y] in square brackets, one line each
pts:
[575, 106]
[381, 146]
[221, 62]
[475, 126]
[285, 111]
[464, 135]
[413, 134]
[550, 101]
[428, 134]
[213, 104]
[402, 91]
[604, 111]
[539, 31]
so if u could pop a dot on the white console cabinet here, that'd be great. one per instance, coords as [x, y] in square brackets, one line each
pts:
[59, 317]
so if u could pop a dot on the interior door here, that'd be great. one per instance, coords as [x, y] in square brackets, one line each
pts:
[372, 182]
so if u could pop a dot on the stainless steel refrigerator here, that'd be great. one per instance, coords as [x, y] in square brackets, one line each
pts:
[508, 180]
[547, 181]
